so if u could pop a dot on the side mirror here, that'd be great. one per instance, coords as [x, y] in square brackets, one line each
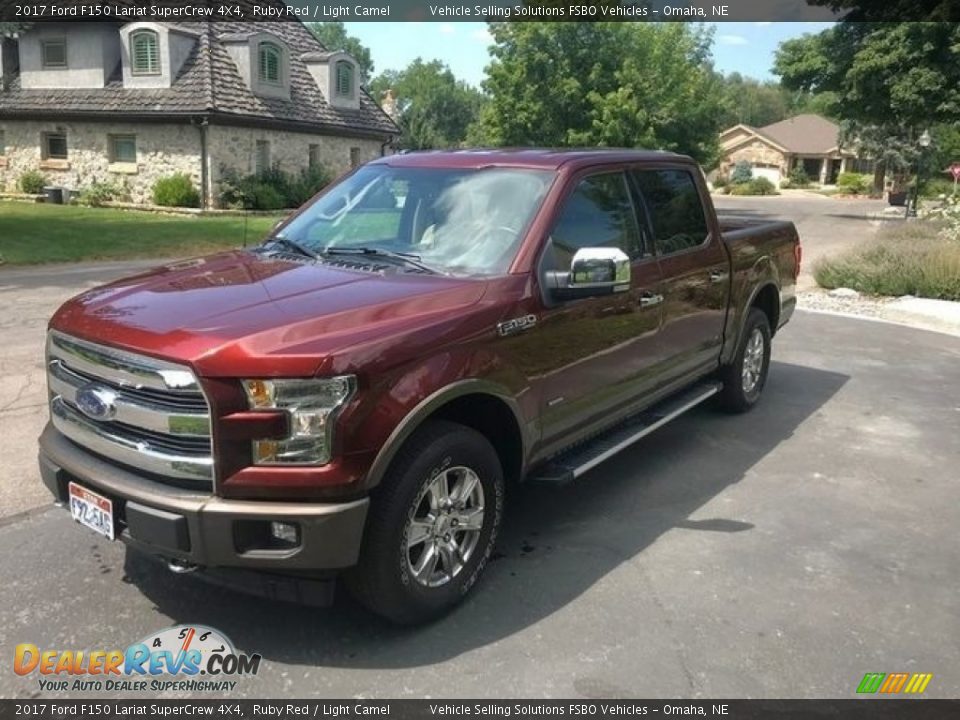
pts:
[593, 272]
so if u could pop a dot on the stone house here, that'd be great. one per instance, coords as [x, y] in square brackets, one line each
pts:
[808, 141]
[128, 103]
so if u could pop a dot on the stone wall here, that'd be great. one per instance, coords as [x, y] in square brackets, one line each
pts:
[235, 147]
[162, 150]
[757, 154]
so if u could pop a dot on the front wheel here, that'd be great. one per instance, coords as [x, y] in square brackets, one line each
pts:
[743, 379]
[432, 525]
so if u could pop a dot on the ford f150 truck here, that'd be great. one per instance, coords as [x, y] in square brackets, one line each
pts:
[354, 396]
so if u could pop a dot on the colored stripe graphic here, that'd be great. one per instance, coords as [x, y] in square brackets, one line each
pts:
[918, 683]
[894, 682]
[871, 682]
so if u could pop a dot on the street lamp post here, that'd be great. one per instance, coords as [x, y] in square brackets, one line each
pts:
[924, 142]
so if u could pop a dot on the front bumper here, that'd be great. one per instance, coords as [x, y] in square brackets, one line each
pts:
[201, 529]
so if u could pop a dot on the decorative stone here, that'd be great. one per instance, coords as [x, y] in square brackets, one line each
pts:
[847, 293]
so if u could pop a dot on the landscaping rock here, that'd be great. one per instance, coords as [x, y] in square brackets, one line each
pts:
[844, 293]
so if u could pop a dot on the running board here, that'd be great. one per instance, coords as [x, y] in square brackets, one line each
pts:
[573, 463]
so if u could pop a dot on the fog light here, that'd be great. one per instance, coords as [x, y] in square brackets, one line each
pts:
[285, 532]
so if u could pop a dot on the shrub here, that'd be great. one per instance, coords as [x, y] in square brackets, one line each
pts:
[176, 191]
[947, 217]
[721, 181]
[272, 189]
[937, 187]
[33, 182]
[798, 177]
[854, 183]
[742, 173]
[98, 193]
[911, 259]
[757, 186]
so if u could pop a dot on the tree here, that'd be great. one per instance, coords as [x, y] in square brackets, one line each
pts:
[435, 109]
[602, 83]
[334, 36]
[892, 81]
[752, 102]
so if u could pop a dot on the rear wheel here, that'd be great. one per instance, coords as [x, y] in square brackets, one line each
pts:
[432, 525]
[743, 379]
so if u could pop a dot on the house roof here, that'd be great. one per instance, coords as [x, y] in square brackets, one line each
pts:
[806, 134]
[209, 83]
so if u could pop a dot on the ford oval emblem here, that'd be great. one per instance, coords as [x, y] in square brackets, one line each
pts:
[97, 402]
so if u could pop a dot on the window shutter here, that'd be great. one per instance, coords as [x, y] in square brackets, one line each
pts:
[344, 79]
[269, 63]
[145, 52]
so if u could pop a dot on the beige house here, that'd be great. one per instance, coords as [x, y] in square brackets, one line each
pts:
[129, 102]
[809, 141]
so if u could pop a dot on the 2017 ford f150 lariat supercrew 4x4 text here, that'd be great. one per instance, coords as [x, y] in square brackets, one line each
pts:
[355, 396]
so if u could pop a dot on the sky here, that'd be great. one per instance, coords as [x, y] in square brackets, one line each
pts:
[746, 47]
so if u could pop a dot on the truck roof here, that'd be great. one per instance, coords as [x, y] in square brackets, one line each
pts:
[541, 158]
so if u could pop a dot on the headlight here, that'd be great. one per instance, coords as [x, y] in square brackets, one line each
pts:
[312, 406]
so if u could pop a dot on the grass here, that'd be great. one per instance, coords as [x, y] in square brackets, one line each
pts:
[41, 233]
[905, 259]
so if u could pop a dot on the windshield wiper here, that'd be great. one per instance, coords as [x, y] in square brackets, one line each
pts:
[408, 258]
[294, 245]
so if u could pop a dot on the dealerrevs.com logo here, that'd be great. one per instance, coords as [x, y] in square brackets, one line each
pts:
[189, 658]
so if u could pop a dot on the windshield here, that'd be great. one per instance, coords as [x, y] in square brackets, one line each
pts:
[454, 221]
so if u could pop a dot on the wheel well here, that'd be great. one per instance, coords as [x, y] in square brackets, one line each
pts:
[492, 418]
[768, 301]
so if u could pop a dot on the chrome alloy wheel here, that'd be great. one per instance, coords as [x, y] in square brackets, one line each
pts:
[753, 361]
[444, 529]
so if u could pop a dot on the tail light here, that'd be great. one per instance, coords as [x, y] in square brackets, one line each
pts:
[798, 255]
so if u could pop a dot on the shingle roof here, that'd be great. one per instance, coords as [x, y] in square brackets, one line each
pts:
[209, 83]
[805, 134]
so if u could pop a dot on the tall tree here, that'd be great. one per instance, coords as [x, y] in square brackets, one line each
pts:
[892, 81]
[602, 83]
[334, 36]
[435, 109]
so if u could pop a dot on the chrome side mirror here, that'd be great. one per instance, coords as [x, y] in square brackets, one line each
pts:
[593, 272]
[600, 268]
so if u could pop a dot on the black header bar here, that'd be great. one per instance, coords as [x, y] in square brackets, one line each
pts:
[27, 11]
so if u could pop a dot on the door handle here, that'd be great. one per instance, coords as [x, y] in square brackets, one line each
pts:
[649, 299]
[716, 276]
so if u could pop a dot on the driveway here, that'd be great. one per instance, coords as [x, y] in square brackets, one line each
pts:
[782, 553]
[827, 226]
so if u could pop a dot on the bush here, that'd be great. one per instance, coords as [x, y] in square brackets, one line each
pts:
[176, 191]
[757, 186]
[742, 173]
[98, 193]
[271, 190]
[937, 187]
[798, 177]
[721, 181]
[33, 182]
[911, 259]
[854, 183]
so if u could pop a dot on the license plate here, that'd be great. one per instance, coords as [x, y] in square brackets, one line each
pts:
[93, 510]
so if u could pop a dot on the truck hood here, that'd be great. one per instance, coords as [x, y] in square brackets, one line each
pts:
[255, 308]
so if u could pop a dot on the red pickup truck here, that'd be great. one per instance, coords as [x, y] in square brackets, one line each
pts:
[356, 395]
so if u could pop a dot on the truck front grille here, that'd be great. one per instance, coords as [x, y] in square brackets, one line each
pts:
[131, 409]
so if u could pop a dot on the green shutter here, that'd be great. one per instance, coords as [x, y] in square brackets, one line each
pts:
[344, 78]
[145, 52]
[269, 63]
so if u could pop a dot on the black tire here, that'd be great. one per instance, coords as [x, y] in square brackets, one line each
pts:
[385, 580]
[735, 397]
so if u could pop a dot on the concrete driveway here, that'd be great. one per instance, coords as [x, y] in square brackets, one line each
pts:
[783, 553]
[827, 226]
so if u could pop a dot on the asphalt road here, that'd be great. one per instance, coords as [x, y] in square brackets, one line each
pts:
[783, 553]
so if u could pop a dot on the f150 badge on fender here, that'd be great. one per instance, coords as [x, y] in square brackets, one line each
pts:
[508, 327]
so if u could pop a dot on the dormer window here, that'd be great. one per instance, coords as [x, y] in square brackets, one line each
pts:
[344, 79]
[54, 53]
[144, 53]
[270, 60]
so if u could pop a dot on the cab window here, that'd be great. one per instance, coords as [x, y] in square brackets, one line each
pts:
[675, 207]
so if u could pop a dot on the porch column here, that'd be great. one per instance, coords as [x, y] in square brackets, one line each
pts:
[824, 170]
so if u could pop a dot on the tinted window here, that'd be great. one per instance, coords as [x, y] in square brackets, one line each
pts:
[599, 213]
[675, 208]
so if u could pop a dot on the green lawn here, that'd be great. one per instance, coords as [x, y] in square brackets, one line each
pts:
[40, 233]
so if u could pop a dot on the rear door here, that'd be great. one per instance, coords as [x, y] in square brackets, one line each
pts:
[694, 265]
[596, 353]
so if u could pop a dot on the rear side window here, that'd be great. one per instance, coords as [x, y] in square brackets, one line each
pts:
[675, 208]
[599, 213]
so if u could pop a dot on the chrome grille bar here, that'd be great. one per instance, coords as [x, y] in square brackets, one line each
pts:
[155, 416]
